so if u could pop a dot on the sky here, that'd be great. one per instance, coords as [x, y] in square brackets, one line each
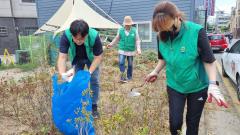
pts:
[225, 5]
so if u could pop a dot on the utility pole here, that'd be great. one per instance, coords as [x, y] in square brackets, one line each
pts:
[14, 24]
[205, 21]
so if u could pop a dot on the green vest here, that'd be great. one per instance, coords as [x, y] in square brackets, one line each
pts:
[184, 70]
[127, 43]
[88, 43]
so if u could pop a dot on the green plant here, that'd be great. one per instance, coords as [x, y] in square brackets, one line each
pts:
[23, 67]
[28, 101]
[120, 114]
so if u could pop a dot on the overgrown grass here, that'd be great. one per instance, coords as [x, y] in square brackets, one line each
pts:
[30, 103]
[23, 67]
[121, 114]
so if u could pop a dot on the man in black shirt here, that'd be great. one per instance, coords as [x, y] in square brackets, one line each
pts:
[85, 49]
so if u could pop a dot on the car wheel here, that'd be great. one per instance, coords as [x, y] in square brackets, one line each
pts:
[223, 71]
[238, 87]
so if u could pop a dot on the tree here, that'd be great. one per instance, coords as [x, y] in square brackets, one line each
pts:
[224, 28]
[210, 27]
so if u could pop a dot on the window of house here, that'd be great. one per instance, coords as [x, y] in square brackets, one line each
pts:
[29, 30]
[28, 1]
[3, 31]
[144, 31]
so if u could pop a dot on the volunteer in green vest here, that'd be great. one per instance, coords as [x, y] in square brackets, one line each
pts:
[129, 44]
[184, 50]
[85, 49]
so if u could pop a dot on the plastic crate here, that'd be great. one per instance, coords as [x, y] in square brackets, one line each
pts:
[22, 56]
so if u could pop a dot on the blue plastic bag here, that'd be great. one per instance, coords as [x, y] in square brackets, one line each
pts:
[72, 105]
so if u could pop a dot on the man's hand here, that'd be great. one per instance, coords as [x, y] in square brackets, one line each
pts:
[68, 76]
[95, 64]
[62, 58]
[214, 92]
[152, 77]
[90, 72]
[109, 46]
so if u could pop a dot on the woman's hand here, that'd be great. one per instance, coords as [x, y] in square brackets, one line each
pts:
[152, 77]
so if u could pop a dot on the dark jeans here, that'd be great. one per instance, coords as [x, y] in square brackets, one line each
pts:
[195, 104]
[122, 65]
[94, 80]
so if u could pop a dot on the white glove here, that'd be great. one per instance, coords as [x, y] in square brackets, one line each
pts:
[68, 76]
[214, 92]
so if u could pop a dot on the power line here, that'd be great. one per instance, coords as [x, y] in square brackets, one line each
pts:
[110, 8]
[103, 11]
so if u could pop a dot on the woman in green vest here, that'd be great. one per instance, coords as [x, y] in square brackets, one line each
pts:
[184, 50]
[129, 43]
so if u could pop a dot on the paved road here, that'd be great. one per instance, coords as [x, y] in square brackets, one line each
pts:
[221, 121]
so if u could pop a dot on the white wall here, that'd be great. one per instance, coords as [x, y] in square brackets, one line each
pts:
[238, 14]
[5, 10]
[20, 9]
[24, 10]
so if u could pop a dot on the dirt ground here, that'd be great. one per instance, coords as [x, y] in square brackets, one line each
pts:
[27, 110]
[25, 106]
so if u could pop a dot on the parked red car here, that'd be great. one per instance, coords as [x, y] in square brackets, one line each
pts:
[217, 42]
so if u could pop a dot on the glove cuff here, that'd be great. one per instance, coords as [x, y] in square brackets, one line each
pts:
[212, 86]
[214, 82]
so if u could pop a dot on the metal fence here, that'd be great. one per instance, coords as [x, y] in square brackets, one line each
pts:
[45, 47]
[42, 48]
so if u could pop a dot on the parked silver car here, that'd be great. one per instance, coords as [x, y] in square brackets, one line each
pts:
[231, 64]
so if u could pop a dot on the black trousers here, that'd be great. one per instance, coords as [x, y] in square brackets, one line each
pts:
[195, 104]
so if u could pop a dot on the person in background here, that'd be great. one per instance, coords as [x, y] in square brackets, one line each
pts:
[129, 44]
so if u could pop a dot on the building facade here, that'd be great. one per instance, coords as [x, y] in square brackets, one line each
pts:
[210, 6]
[205, 9]
[235, 20]
[140, 10]
[16, 17]
[237, 30]
[222, 20]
